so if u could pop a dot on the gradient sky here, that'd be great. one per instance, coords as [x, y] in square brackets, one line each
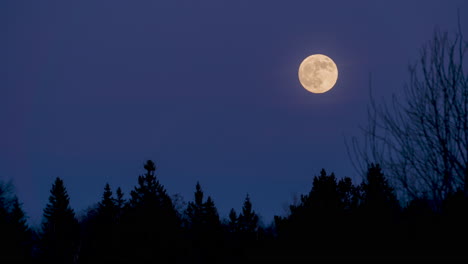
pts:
[89, 90]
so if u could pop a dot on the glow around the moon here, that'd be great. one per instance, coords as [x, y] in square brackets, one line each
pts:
[318, 73]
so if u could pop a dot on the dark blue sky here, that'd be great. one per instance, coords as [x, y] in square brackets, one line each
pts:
[89, 90]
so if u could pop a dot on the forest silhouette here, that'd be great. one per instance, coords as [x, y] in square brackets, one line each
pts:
[337, 219]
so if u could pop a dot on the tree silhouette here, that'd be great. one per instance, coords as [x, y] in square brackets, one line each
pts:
[377, 194]
[323, 217]
[15, 235]
[350, 195]
[248, 219]
[151, 227]
[202, 215]
[454, 223]
[119, 201]
[20, 231]
[421, 136]
[59, 228]
[195, 209]
[233, 223]
[322, 203]
[336, 220]
[379, 211]
[324, 196]
[107, 206]
[100, 231]
[204, 227]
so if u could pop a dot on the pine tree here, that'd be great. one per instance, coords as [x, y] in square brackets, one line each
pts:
[379, 211]
[107, 206]
[323, 203]
[20, 231]
[59, 228]
[204, 227]
[349, 194]
[324, 195]
[248, 219]
[195, 209]
[211, 213]
[119, 201]
[150, 193]
[150, 222]
[322, 216]
[233, 221]
[378, 195]
[15, 235]
[202, 215]
[99, 235]
[4, 223]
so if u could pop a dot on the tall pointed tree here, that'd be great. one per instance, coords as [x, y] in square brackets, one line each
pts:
[204, 227]
[119, 201]
[322, 215]
[211, 213]
[248, 219]
[107, 206]
[15, 235]
[99, 235]
[20, 231]
[59, 228]
[380, 211]
[378, 195]
[202, 216]
[350, 195]
[233, 221]
[151, 223]
[195, 209]
[324, 196]
[149, 193]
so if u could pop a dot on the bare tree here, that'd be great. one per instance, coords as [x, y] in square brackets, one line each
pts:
[421, 136]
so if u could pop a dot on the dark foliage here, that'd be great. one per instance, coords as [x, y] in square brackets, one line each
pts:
[60, 231]
[101, 230]
[15, 235]
[247, 223]
[150, 227]
[335, 220]
[203, 228]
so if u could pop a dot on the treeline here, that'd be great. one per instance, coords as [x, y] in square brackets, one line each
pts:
[336, 220]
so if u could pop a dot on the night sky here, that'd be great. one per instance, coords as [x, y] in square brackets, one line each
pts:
[90, 90]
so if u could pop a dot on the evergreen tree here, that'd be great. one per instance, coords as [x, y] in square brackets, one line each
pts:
[349, 194]
[211, 214]
[150, 223]
[204, 227]
[324, 216]
[248, 219]
[323, 203]
[107, 202]
[378, 196]
[20, 231]
[324, 196]
[202, 215]
[4, 223]
[107, 206]
[59, 228]
[15, 235]
[99, 230]
[149, 193]
[119, 201]
[195, 209]
[379, 212]
[233, 221]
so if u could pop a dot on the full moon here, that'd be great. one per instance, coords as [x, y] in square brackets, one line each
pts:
[318, 73]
